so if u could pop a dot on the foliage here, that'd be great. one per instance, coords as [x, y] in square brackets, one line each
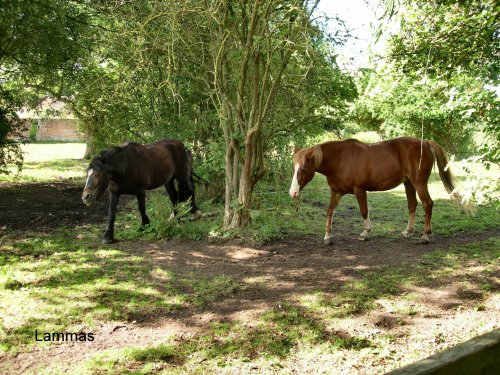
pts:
[446, 55]
[449, 110]
[480, 188]
[234, 81]
[448, 37]
[10, 128]
[42, 44]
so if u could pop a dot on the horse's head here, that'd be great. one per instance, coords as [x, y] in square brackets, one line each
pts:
[305, 163]
[97, 181]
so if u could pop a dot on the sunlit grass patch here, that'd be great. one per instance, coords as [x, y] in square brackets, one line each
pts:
[45, 171]
[470, 267]
[266, 345]
[203, 290]
[58, 283]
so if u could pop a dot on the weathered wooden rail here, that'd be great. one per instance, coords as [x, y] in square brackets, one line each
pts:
[478, 356]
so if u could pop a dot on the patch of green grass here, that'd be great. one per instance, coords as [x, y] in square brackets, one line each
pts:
[267, 343]
[394, 283]
[159, 209]
[44, 171]
[58, 165]
[58, 283]
[202, 290]
[275, 216]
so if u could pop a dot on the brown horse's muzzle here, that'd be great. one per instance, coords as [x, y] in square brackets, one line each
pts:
[88, 198]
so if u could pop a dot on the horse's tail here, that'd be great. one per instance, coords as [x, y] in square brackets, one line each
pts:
[200, 179]
[447, 177]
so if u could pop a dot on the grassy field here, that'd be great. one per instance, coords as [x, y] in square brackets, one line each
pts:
[374, 316]
[48, 162]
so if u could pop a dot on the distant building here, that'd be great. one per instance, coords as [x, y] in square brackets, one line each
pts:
[51, 120]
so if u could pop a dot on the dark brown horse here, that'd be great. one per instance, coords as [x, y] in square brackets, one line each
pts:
[133, 169]
[353, 167]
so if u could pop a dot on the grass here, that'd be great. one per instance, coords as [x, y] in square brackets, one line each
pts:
[61, 283]
[67, 281]
[50, 161]
[46, 151]
[275, 216]
[265, 347]
[49, 170]
[396, 283]
[310, 326]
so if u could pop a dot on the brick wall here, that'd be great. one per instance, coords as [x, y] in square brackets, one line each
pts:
[59, 130]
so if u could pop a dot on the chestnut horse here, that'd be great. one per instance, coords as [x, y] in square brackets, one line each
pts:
[354, 167]
[133, 169]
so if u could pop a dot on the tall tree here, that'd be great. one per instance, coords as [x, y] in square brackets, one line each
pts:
[243, 66]
[41, 45]
[456, 43]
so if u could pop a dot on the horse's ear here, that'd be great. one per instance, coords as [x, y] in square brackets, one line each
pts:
[295, 150]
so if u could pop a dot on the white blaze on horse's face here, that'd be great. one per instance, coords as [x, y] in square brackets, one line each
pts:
[295, 188]
[87, 195]
[89, 174]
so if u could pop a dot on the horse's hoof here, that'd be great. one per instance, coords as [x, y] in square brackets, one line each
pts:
[406, 234]
[328, 242]
[362, 238]
[197, 215]
[423, 241]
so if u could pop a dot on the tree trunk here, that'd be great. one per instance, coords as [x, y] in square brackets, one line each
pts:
[244, 102]
[241, 214]
[90, 148]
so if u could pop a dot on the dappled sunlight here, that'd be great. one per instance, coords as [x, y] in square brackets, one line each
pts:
[161, 274]
[40, 152]
[283, 334]
[443, 298]
[235, 298]
[245, 253]
[259, 280]
[162, 255]
[199, 255]
[270, 307]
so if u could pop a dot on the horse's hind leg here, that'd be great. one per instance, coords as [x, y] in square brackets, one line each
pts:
[363, 207]
[427, 203]
[411, 196]
[334, 201]
[186, 188]
[172, 194]
[141, 201]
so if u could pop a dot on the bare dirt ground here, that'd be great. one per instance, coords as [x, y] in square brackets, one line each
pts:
[273, 273]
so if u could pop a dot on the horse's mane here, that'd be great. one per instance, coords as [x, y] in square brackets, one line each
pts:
[314, 153]
[105, 154]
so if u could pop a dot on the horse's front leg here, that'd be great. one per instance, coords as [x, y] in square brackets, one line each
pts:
[334, 201]
[363, 207]
[141, 201]
[113, 203]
